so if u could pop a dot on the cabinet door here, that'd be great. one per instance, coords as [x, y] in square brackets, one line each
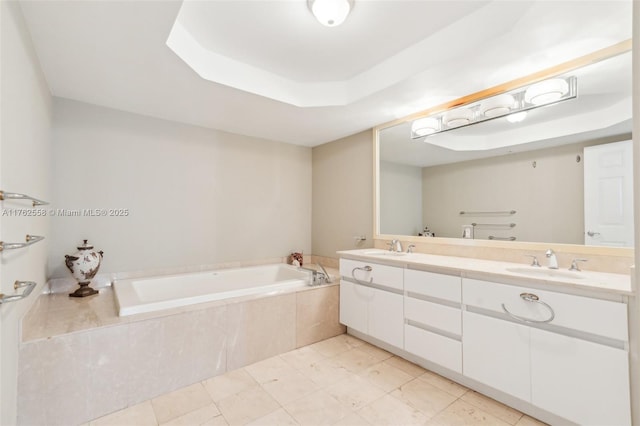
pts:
[584, 382]
[354, 305]
[496, 353]
[386, 317]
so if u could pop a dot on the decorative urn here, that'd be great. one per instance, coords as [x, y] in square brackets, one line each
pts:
[84, 266]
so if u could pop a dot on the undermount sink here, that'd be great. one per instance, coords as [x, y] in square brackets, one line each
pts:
[545, 272]
[385, 253]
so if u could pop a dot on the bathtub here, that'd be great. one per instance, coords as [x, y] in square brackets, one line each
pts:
[150, 294]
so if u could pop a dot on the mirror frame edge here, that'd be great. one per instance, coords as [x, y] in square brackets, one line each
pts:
[591, 58]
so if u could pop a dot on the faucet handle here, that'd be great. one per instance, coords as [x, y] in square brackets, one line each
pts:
[534, 260]
[410, 248]
[574, 264]
[327, 277]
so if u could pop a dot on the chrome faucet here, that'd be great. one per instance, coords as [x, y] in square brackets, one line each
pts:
[395, 245]
[318, 277]
[553, 260]
[574, 264]
[327, 277]
[534, 260]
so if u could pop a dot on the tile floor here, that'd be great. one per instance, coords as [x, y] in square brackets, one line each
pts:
[339, 381]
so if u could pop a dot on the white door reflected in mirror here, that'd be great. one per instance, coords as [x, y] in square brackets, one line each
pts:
[608, 194]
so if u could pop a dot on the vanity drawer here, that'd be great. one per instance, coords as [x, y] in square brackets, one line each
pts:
[434, 315]
[433, 347]
[585, 314]
[440, 286]
[388, 276]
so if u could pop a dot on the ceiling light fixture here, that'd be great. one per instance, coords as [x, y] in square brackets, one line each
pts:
[512, 104]
[425, 126]
[546, 92]
[457, 117]
[498, 105]
[330, 13]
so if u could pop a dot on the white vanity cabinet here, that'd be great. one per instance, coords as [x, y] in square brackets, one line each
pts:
[564, 353]
[354, 305]
[371, 300]
[579, 380]
[433, 319]
[496, 353]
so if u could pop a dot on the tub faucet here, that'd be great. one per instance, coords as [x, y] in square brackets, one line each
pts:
[318, 277]
[327, 277]
[553, 260]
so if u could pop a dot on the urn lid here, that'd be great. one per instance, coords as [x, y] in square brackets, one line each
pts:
[85, 246]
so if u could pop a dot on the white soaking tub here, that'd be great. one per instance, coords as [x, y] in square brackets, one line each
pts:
[150, 294]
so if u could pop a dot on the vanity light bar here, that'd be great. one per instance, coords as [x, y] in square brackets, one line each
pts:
[542, 93]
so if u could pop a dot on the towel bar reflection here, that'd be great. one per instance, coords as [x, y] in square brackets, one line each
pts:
[498, 225]
[16, 196]
[27, 285]
[491, 237]
[30, 239]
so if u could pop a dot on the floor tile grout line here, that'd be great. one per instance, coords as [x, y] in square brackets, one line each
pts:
[485, 410]
[442, 388]
[445, 408]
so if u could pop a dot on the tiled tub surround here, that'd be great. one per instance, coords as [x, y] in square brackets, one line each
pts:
[445, 314]
[79, 360]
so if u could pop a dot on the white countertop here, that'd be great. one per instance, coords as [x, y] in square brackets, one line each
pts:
[594, 283]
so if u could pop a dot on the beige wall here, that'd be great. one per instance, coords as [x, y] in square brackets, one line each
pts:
[195, 196]
[401, 190]
[24, 168]
[342, 194]
[548, 198]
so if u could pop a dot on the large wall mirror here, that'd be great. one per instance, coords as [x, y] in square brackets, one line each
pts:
[563, 174]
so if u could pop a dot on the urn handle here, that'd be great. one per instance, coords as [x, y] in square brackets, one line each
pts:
[69, 261]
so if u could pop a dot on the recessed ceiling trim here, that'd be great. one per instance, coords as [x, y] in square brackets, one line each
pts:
[405, 65]
[223, 70]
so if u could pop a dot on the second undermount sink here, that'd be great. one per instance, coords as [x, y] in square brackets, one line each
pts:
[545, 272]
